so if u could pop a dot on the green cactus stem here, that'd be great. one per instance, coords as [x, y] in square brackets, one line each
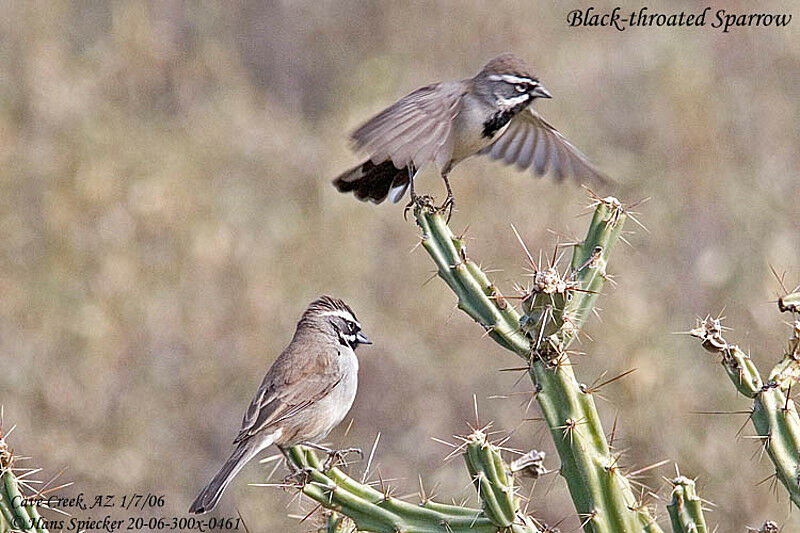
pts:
[555, 308]
[557, 305]
[14, 516]
[380, 512]
[774, 413]
[492, 479]
[686, 508]
[477, 296]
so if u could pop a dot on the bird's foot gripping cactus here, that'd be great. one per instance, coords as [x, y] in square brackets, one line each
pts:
[378, 511]
[14, 514]
[774, 414]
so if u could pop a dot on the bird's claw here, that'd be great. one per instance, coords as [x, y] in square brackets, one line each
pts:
[423, 201]
[298, 475]
[449, 205]
[338, 456]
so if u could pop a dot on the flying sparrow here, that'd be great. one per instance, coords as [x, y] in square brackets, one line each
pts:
[448, 122]
[306, 393]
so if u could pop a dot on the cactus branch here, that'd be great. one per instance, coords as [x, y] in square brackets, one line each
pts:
[477, 296]
[555, 308]
[379, 512]
[774, 414]
[14, 516]
[686, 508]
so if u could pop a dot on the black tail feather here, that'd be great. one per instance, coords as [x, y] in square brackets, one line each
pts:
[369, 181]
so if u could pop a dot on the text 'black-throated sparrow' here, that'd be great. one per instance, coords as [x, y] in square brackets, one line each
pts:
[306, 393]
[448, 122]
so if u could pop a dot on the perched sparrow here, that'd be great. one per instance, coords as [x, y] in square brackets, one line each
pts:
[451, 121]
[305, 394]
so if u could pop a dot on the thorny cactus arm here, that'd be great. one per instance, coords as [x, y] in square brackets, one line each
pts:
[555, 309]
[379, 512]
[686, 508]
[492, 479]
[774, 413]
[477, 296]
[14, 516]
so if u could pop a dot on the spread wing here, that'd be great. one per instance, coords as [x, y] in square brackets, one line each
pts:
[294, 383]
[531, 142]
[415, 129]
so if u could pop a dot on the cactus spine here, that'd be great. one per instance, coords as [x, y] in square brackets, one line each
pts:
[379, 512]
[774, 414]
[555, 308]
[14, 516]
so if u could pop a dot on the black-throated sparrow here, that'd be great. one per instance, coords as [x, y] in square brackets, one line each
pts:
[451, 121]
[306, 393]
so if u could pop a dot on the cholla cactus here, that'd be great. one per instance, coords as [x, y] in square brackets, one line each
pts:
[774, 414]
[378, 511]
[14, 514]
[554, 308]
[686, 508]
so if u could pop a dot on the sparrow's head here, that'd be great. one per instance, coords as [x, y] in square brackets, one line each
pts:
[509, 83]
[335, 318]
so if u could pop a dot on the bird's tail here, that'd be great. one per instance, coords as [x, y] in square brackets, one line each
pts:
[369, 181]
[209, 496]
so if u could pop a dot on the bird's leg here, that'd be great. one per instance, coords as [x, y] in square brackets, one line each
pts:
[289, 463]
[450, 201]
[334, 456]
[411, 173]
[300, 475]
[412, 195]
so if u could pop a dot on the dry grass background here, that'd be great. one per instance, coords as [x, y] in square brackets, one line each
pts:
[166, 214]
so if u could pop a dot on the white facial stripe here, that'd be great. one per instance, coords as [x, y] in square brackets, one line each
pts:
[342, 314]
[511, 102]
[510, 78]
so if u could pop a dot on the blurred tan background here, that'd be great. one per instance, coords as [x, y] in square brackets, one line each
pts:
[166, 214]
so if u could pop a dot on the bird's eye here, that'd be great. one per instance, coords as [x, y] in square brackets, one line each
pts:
[521, 88]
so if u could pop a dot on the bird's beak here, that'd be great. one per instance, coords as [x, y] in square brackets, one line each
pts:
[362, 339]
[540, 92]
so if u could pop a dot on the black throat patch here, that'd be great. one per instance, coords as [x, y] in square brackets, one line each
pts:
[501, 118]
